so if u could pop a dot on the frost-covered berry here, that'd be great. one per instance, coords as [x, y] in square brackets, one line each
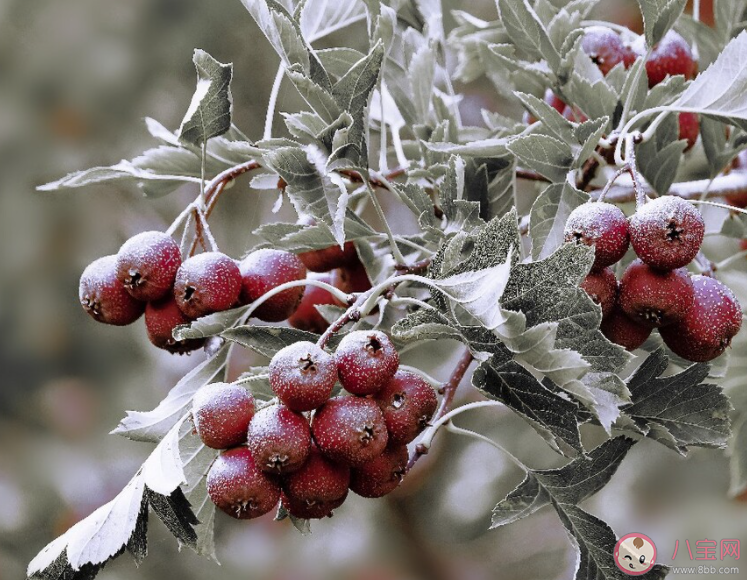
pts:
[306, 316]
[655, 298]
[161, 318]
[317, 487]
[311, 510]
[147, 265]
[221, 413]
[605, 48]
[330, 258]
[239, 488]
[689, 129]
[381, 475]
[666, 232]
[622, 330]
[207, 283]
[303, 375]
[279, 439]
[709, 326]
[671, 56]
[601, 287]
[350, 430]
[603, 226]
[265, 269]
[104, 297]
[366, 361]
[408, 404]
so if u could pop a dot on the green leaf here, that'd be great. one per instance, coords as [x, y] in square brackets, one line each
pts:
[301, 238]
[209, 113]
[543, 153]
[552, 121]
[527, 31]
[267, 340]
[320, 18]
[659, 158]
[549, 213]
[659, 16]
[210, 325]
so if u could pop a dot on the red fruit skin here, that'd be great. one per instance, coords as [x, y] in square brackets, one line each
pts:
[603, 226]
[366, 361]
[352, 279]
[207, 283]
[605, 48]
[238, 488]
[318, 483]
[147, 264]
[330, 258]
[689, 129]
[709, 326]
[743, 244]
[303, 375]
[104, 297]
[672, 56]
[350, 430]
[667, 232]
[265, 269]
[408, 404]
[279, 439]
[221, 413]
[739, 164]
[620, 329]
[161, 318]
[382, 475]
[601, 287]
[311, 511]
[655, 298]
[306, 316]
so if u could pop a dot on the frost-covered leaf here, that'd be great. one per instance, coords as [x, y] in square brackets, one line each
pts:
[659, 158]
[549, 213]
[551, 120]
[527, 31]
[659, 16]
[545, 154]
[210, 325]
[301, 238]
[267, 340]
[320, 18]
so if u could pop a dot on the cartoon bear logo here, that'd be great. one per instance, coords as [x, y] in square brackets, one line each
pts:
[635, 554]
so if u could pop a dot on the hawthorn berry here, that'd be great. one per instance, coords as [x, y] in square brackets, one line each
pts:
[221, 413]
[303, 375]
[147, 264]
[382, 475]
[350, 430]
[601, 286]
[671, 56]
[265, 269]
[330, 258]
[655, 298]
[306, 316]
[408, 403]
[239, 488]
[351, 279]
[317, 487]
[666, 232]
[310, 510]
[366, 361]
[207, 283]
[161, 318]
[603, 226]
[279, 439]
[605, 48]
[622, 330]
[708, 327]
[104, 297]
[689, 129]
[738, 164]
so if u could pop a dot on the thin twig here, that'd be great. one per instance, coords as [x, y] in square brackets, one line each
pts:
[531, 175]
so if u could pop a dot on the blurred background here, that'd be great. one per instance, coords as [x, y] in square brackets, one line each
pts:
[77, 79]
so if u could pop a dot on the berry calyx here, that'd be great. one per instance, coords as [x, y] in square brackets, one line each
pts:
[239, 488]
[330, 258]
[311, 510]
[671, 56]
[708, 327]
[317, 487]
[381, 475]
[161, 318]
[655, 298]
[279, 439]
[666, 232]
[408, 404]
[303, 375]
[603, 226]
[366, 361]
[221, 413]
[207, 283]
[605, 48]
[601, 287]
[350, 430]
[306, 316]
[689, 129]
[104, 297]
[622, 330]
[147, 264]
[265, 269]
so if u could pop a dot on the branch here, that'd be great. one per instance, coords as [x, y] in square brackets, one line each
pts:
[735, 183]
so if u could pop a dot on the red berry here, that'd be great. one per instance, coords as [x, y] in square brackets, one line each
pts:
[279, 439]
[316, 487]
[603, 226]
[311, 510]
[307, 317]
[672, 56]
[238, 488]
[620, 329]
[408, 403]
[161, 318]
[708, 327]
[689, 129]
[352, 279]
[221, 413]
[382, 475]
[739, 164]
[207, 283]
[265, 269]
[303, 375]
[350, 430]
[147, 265]
[605, 48]
[666, 232]
[330, 258]
[601, 286]
[104, 297]
[366, 361]
[655, 298]
[551, 99]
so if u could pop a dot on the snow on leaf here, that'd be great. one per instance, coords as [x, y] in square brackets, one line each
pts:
[659, 16]
[320, 18]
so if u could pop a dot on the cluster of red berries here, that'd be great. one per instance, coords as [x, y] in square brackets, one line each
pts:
[697, 316]
[606, 48]
[310, 448]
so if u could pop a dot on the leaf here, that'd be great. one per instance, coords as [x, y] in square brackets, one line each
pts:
[659, 158]
[267, 340]
[659, 16]
[552, 121]
[210, 325]
[678, 411]
[549, 213]
[209, 113]
[545, 154]
[738, 463]
[527, 31]
[320, 18]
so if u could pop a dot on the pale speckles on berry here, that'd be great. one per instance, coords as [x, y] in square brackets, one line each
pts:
[207, 283]
[147, 264]
[161, 318]
[303, 375]
[366, 360]
[265, 269]
[279, 439]
[381, 475]
[601, 287]
[408, 403]
[104, 297]
[603, 226]
[318, 481]
[221, 414]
